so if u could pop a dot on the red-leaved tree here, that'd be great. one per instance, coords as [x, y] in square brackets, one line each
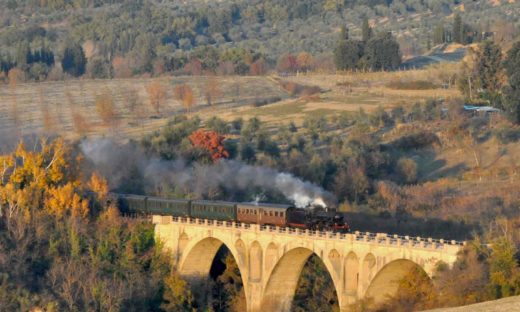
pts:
[211, 142]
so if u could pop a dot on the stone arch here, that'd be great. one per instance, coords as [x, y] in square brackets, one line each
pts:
[386, 281]
[255, 262]
[335, 261]
[351, 274]
[196, 262]
[271, 256]
[368, 270]
[281, 285]
[241, 252]
[198, 256]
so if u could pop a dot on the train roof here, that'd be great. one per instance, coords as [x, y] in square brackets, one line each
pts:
[213, 202]
[131, 196]
[177, 200]
[264, 205]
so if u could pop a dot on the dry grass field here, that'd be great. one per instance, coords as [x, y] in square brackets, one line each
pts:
[69, 107]
[347, 93]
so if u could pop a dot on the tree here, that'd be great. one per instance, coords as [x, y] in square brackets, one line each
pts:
[458, 29]
[211, 90]
[74, 61]
[305, 61]
[407, 170]
[211, 142]
[512, 92]
[184, 93]
[121, 67]
[488, 65]
[343, 33]
[348, 54]
[156, 94]
[503, 267]
[439, 35]
[366, 30]
[287, 63]
[258, 67]
[105, 107]
[177, 296]
[382, 53]
[467, 74]
[23, 52]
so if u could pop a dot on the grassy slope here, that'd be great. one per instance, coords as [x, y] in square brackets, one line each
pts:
[29, 101]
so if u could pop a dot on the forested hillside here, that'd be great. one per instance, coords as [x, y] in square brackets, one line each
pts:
[122, 37]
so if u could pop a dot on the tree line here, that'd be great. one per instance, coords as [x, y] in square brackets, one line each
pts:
[124, 38]
[491, 78]
[373, 52]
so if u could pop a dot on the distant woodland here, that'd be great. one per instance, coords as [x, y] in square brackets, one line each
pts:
[103, 39]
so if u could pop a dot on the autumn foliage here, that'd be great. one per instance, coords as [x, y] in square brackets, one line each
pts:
[211, 142]
[156, 94]
[184, 93]
[48, 174]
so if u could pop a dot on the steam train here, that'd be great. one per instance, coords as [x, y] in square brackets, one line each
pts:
[313, 218]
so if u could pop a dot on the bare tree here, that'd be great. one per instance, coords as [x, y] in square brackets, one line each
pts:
[184, 93]
[212, 91]
[79, 123]
[105, 108]
[156, 94]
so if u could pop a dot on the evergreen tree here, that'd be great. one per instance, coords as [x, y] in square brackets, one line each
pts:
[347, 54]
[382, 53]
[512, 92]
[458, 29]
[23, 54]
[487, 65]
[343, 33]
[74, 60]
[366, 30]
[439, 35]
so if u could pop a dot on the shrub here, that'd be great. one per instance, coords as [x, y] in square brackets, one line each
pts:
[407, 170]
[417, 140]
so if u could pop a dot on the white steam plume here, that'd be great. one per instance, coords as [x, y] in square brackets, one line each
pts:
[119, 162]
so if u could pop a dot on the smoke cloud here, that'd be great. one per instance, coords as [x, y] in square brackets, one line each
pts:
[121, 163]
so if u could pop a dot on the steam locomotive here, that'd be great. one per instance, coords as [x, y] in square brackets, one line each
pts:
[313, 218]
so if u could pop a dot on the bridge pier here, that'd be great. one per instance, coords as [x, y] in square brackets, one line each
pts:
[270, 259]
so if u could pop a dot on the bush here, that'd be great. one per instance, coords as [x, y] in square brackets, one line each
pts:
[218, 125]
[407, 170]
[265, 101]
[417, 140]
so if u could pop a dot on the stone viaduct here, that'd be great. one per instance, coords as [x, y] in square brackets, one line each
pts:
[270, 259]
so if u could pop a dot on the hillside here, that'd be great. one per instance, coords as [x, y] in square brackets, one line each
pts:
[271, 28]
[52, 107]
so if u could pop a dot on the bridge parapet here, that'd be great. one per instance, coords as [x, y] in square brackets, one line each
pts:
[357, 236]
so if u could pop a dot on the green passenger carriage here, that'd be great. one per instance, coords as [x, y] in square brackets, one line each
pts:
[216, 210]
